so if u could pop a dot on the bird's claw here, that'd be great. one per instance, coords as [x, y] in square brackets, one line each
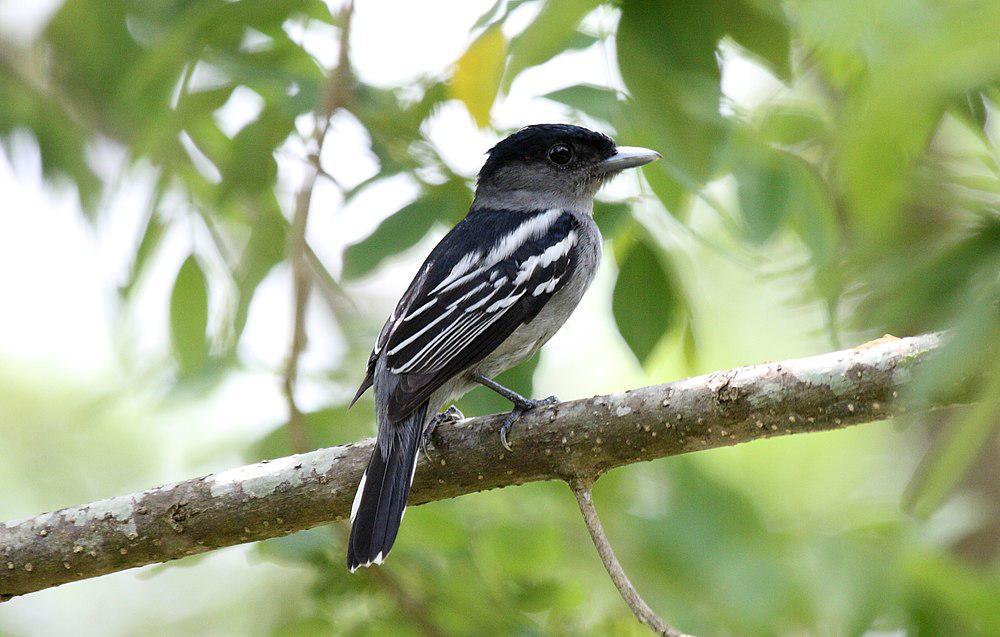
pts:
[508, 422]
[527, 404]
[515, 413]
[450, 415]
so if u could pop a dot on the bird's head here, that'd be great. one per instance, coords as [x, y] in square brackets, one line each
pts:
[553, 166]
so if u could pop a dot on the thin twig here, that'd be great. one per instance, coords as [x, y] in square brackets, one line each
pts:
[641, 610]
[301, 285]
[299, 253]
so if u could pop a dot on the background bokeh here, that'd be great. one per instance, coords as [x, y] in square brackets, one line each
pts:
[831, 173]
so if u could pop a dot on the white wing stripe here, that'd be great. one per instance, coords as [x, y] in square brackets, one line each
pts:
[467, 294]
[424, 329]
[419, 310]
[546, 286]
[467, 337]
[453, 343]
[484, 294]
[471, 336]
[534, 227]
[428, 348]
[505, 303]
[460, 268]
[434, 346]
[546, 258]
[558, 250]
[481, 302]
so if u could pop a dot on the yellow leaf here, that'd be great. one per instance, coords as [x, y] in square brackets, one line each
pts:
[478, 72]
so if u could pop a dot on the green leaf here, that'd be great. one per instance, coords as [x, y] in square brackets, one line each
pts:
[955, 590]
[765, 190]
[964, 442]
[264, 250]
[304, 627]
[790, 124]
[497, 13]
[61, 138]
[597, 101]
[814, 220]
[547, 36]
[477, 74]
[690, 345]
[885, 122]
[646, 300]
[327, 427]
[612, 217]
[581, 41]
[763, 34]
[151, 238]
[189, 317]
[667, 56]
[672, 193]
[251, 168]
[405, 228]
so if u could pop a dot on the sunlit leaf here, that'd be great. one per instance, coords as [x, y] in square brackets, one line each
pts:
[478, 72]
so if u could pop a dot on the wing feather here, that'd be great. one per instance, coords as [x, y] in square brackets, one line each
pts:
[467, 299]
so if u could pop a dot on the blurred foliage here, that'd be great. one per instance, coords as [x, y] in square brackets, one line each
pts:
[874, 155]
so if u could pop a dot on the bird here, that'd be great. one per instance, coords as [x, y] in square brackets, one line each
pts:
[487, 297]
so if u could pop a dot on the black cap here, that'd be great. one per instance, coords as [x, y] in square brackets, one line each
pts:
[534, 142]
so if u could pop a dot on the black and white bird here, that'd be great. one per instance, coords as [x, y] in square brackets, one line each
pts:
[489, 295]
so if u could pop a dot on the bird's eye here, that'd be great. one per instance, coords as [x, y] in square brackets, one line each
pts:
[560, 154]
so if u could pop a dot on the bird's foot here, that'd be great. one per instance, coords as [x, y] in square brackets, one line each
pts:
[448, 416]
[521, 405]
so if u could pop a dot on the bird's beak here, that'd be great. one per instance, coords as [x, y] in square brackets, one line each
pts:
[628, 157]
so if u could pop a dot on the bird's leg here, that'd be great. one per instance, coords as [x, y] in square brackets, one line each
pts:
[450, 415]
[521, 405]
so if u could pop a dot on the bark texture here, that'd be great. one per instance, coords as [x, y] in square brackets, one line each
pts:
[571, 440]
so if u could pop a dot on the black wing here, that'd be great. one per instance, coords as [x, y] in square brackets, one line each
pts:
[492, 273]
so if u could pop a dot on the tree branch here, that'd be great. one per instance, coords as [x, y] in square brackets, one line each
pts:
[641, 610]
[572, 440]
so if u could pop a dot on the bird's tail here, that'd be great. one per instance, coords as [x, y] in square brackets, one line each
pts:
[381, 498]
